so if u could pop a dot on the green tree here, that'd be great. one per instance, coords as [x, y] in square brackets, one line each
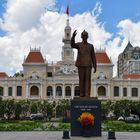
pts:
[18, 110]
[106, 108]
[2, 108]
[121, 108]
[49, 110]
[46, 108]
[62, 107]
[33, 107]
[135, 108]
[9, 108]
[25, 107]
[17, 74]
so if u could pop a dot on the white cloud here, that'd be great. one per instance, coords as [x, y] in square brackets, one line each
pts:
[28, 25]
[97, 9]
[21, 15]
[130, 30]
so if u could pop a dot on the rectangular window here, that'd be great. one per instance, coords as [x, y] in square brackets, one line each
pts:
[49, 74]
[134, 92]
[19, 91]
[116, 91]
[1, 91]
[10, 91]
[124, 92]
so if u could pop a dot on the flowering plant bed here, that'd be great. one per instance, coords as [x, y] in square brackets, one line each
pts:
[86, 119]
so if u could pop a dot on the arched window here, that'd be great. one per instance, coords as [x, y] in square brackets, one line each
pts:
[49, 91]
[1, 91]
[125, 91]
[58, 91]
[101, 91]
[10, 91]
[134, 92]
[77, 91]
[19, 91]
[68, 91]
[34, 91]
[116, 91]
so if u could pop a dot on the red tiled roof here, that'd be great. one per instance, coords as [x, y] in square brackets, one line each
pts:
[102, 57]
[3, 75]
[34, 57]
[131, 76]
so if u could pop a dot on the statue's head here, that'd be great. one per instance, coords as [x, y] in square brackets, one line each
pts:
[84, 35]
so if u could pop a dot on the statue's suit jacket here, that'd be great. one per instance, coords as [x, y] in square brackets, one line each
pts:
[86, 55]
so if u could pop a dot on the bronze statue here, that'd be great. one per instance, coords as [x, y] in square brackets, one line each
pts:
[86, 59]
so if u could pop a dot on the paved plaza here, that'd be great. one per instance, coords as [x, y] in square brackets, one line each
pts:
[58, 136]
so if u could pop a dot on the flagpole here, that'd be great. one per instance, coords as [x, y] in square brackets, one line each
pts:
[67, 12]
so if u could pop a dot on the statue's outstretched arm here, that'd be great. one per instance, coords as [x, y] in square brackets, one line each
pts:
[73, 44]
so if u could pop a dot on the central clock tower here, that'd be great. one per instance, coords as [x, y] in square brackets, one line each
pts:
[67, 63]
[67, 51]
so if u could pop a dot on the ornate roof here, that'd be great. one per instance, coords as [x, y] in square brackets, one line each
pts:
[3, 75]
[34, 56]
[103, 58]
[131, 76]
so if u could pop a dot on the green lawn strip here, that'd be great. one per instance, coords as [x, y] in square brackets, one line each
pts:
[53, 126]
[14, 125]
[120, 126]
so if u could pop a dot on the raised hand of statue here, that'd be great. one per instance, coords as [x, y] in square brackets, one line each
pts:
[74, 33]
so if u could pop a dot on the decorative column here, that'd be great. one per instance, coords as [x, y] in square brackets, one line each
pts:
[14, 89]
[6, 90]
[63, 91]
[41, 96]
[72, 91]
[54, 91]
[121, 90]
[95, 93]
[129, 89]
[27, 91]
[108, 91]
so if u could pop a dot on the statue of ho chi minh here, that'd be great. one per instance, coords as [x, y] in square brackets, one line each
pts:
[86, 59]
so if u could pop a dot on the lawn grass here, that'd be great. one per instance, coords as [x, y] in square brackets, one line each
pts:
[14, 125]
[120, 126]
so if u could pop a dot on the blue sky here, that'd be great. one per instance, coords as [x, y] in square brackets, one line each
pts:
[112, 10]
[29, 23]
[2, 10]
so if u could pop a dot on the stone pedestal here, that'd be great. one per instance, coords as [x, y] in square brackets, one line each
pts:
[78, 106]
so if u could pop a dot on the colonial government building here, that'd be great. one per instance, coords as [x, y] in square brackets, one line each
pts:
[41, 80]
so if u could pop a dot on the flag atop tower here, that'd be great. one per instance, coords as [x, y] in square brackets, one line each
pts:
[67, 10]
